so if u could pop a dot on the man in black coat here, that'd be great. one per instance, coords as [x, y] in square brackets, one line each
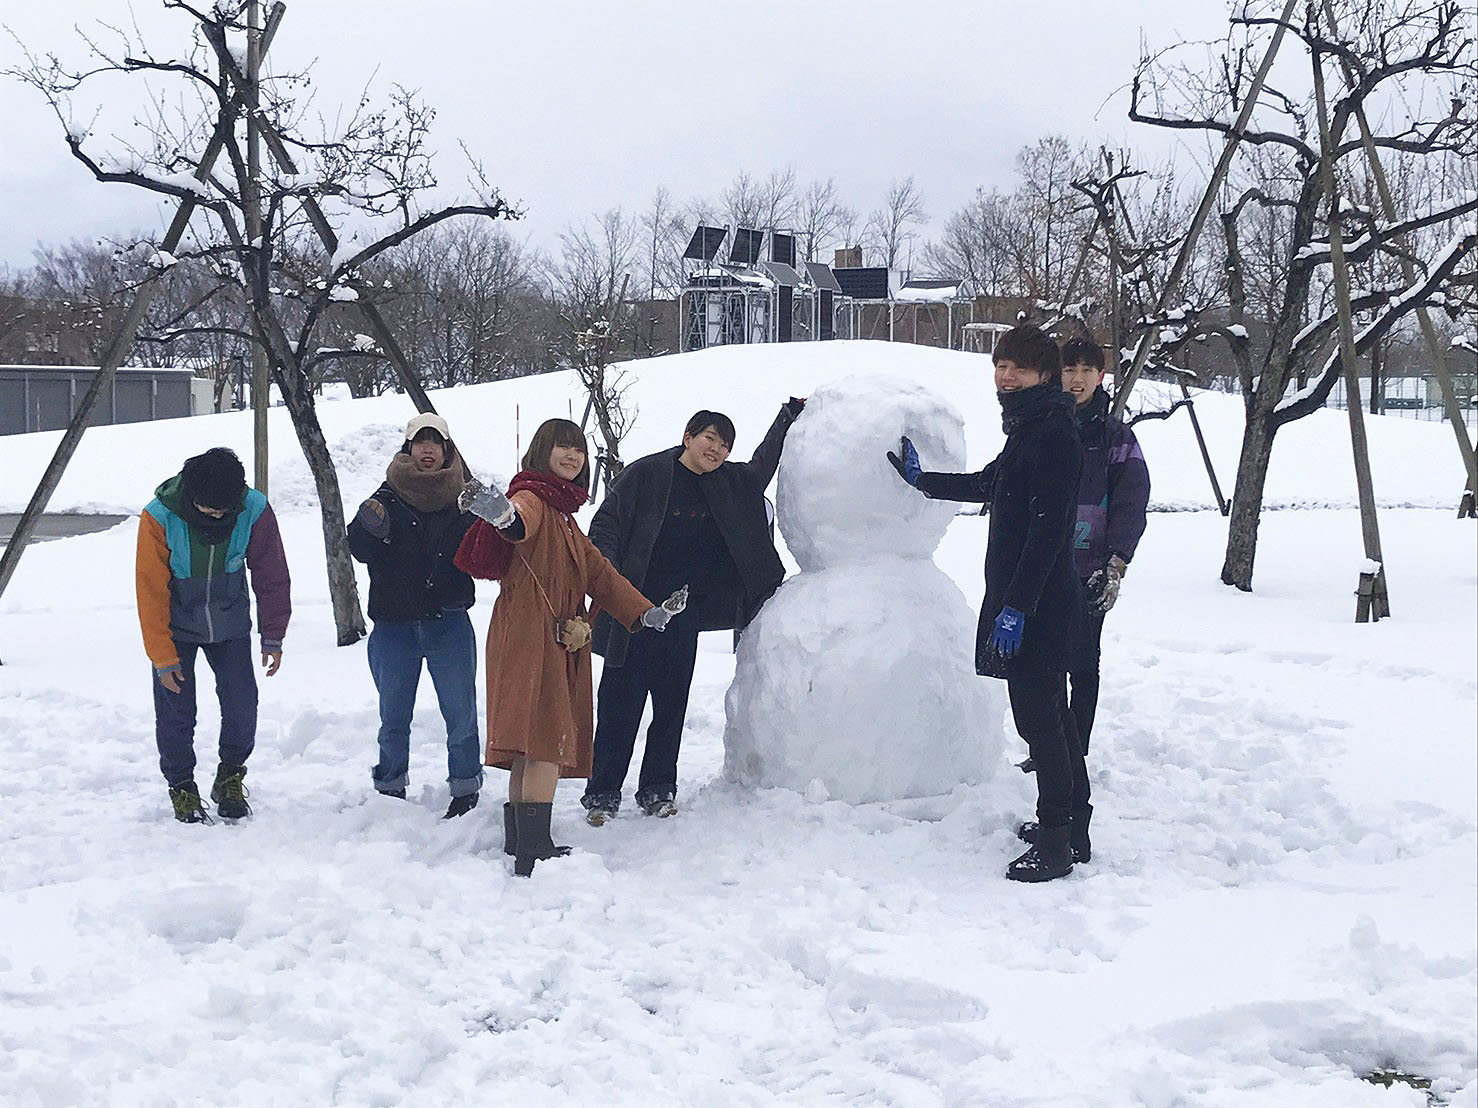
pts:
[407, 534]
[1031, 623]
[683, 516]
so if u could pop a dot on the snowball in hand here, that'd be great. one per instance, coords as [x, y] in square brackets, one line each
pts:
[840, 500]
[859, 672]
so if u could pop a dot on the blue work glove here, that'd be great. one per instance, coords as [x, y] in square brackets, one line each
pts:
[908, 465]
[1005, 640]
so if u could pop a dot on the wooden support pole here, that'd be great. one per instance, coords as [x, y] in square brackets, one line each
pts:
[258, 279]
[122, 342]
[1208, 199]
[1450, 402]
[1373, 603]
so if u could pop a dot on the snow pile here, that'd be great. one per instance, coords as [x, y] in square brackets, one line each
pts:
[856, 681]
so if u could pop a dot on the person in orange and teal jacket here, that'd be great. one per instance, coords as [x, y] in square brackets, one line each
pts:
[199, 538]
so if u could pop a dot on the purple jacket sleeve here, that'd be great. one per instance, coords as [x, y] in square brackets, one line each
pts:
[1128, 495]
[267, 562]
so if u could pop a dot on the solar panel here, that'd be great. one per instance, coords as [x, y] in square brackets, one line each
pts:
[782, 274]
[782, 248]
[705, 243]
[822, 276]
[746, 248]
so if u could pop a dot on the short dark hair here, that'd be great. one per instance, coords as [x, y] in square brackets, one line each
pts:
[703, 420]
[215, 479]
[1030, 347]
[1082, 351]
[552, 433]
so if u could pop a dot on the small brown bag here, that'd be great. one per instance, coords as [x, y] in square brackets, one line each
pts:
[573, 634]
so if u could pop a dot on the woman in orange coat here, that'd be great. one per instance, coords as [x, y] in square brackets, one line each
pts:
[540, 707]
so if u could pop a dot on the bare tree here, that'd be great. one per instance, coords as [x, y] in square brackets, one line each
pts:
[1406, 58]
[587, 288]
[820, 216]
[892, 228]
[371, 172]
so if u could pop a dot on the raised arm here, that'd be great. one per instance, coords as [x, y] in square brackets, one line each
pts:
[761, 467]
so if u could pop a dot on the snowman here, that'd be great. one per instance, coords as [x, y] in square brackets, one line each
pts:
[857, 679]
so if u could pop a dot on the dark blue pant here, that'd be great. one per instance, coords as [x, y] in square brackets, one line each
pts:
[1084, 700]
[449, 649]
[659, 665]
[174, 713]
[1039, 708]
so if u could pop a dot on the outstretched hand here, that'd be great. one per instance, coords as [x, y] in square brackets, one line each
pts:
[485, 502]
[907, 464]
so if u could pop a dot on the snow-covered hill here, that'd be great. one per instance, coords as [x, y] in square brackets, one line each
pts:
[1283, 896]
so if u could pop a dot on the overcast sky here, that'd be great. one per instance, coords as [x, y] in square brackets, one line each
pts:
[578, 107]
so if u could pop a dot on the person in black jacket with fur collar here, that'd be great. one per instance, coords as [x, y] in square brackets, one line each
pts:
[1031, 623]
[407, 534]
[682, 516]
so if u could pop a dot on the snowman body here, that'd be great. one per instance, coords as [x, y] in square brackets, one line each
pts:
[859, 672]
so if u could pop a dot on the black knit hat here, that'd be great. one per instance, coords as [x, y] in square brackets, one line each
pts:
[214, 479]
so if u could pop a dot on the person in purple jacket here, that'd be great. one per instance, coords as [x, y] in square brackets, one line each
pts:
[1113, 495]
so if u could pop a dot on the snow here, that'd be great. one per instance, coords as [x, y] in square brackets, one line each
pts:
[815, 701]
[1282, 897]
[343, 293]
[941, 295]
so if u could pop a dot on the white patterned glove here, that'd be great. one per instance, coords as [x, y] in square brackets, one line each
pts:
[658, 617]
[485, 502]
[1103, 584]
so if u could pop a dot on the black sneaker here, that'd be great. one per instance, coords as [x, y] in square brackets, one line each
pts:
[188, 807]
[229, 792]
[461, 805]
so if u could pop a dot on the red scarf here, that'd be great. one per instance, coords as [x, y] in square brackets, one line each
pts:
[485, 553]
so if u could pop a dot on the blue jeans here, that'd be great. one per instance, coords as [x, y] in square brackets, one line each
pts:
[174, 713]
[449, 649]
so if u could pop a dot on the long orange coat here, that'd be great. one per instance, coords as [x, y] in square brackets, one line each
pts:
[540, 704]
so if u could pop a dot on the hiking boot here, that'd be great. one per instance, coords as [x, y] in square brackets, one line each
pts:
[461, 805]
[1049, 857]
[661, 803]
[598, 816]
[229, 792]
[1078, 840]
[188, 807]
[534, 844]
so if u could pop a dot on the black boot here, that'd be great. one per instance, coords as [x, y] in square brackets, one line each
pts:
[1049, 858]
[1082, 846]
[229, 792]
[510, 831]
[461, 805]
[531, 822]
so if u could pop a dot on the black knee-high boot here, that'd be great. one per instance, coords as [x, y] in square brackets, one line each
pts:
[532, 842]
[510, 830]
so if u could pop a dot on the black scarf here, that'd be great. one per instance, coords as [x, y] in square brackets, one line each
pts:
[1026, 406]
[1093, 410]
[212, 531]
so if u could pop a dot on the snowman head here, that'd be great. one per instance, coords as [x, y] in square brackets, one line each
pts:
[840, 501]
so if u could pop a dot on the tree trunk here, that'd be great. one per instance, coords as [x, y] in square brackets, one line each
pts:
[1252, 475]
[343, 589]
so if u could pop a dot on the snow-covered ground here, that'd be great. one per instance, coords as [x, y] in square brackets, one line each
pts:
[1283, 896]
